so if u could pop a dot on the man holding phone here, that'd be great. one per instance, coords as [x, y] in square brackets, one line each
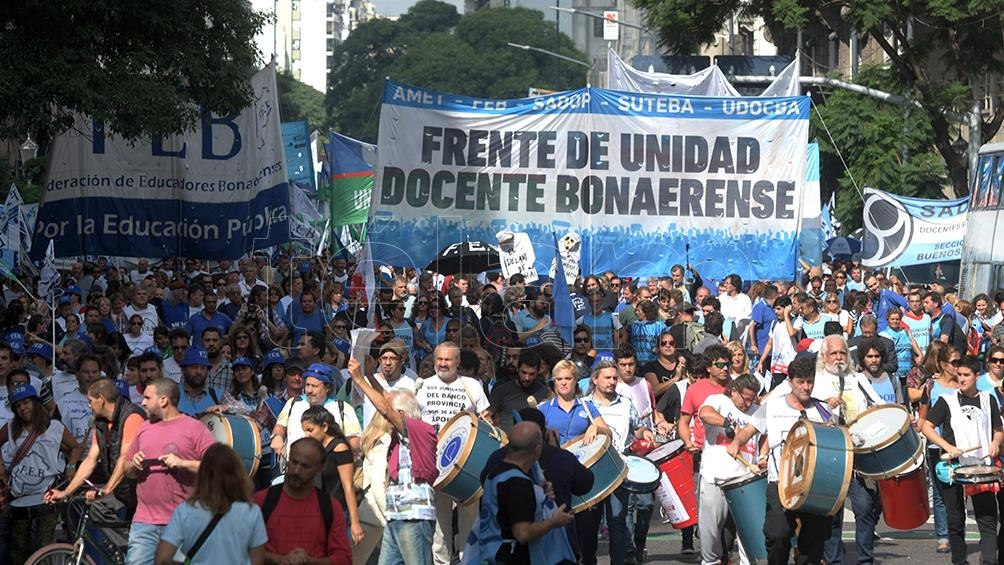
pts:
[163, 459]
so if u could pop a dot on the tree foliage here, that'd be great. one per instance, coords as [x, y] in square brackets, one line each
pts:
[884, 147]
[433, 47]
[938, 50]
[142, 67]
[299, 101]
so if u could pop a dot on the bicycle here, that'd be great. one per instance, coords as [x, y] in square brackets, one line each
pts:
[74, 553]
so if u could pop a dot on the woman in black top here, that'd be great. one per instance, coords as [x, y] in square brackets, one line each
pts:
[339, 464]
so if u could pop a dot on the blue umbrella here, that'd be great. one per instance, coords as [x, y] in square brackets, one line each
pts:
[843, 247]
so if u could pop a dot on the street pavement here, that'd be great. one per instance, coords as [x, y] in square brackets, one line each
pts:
[895, 547]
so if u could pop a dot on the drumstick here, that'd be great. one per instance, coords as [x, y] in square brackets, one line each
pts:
[948, 456]
[749, 466]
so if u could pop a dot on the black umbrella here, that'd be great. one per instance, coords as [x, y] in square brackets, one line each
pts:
[466, 257]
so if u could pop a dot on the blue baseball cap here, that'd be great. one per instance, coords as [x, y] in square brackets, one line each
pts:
[274, 357]
[242, 362]
[65, 300]
[123, 387]
[196, 356]
[154, 349]
[17, 348]
[319, 371]
[40, 350]
[21, 392]
[73, 289]
[602, 356]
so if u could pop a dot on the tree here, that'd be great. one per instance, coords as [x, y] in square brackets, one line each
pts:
[433, 47]
[937, 49]
[142, 69]
[299, 101]
[884, 147]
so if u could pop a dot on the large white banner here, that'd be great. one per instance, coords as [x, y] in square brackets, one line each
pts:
[214, 193]
[641, 178]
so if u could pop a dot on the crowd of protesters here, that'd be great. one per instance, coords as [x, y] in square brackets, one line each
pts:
[102, 392]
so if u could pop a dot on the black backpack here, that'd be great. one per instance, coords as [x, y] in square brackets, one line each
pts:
[323, 499]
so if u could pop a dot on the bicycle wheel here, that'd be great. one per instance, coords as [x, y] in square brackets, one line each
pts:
[58, 554]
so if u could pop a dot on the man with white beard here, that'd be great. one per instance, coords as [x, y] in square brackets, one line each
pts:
[848, 394]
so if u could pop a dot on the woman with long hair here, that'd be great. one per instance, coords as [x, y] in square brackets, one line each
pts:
[244, 343]
[432, 332]
[339, 464]
[944, 382]
[222, 488]
[31, 448]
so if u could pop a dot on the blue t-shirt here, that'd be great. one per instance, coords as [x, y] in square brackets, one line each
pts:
[203, 403]
[300, 323]
[240, 530]
[904, 349]
[644, 338]
[602, 326]
[763, 316]
[198, 324]
[569, 425]
[920, 328]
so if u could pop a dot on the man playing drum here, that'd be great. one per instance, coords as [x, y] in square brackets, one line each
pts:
[833, 374]
[624, 423]
[441, 397]
[971, 433]
[722, 415]
[775, 418]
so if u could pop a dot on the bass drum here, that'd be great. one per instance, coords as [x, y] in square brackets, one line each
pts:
[817, 464]
[240, 433]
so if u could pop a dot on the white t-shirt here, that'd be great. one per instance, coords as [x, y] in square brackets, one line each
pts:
[404, 382]
[736, 307]
[75, 413]
[172, 369]
[38, 470]
[775, 418]
[149, 315]
[63, 383]
[716, 463]
[639, 392]
[440, 401]
[293, 411]
[782, 351]
[857, 394]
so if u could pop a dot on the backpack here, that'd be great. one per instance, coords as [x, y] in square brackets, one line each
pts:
[693, 333]
[323, 499]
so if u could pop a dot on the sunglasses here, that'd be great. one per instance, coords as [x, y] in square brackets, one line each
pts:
[582, 340]
[955, 362]
[721, 364]
[670, 342]
[996, 360]
[422, 302]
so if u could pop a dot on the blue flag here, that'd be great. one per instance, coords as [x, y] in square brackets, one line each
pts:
[564, 311]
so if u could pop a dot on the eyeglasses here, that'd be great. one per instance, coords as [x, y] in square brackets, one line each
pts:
[670, 342]
[721, 364]
[582, 340]
[955, 362]
[996, 360]
[389, 358]
[135, 323]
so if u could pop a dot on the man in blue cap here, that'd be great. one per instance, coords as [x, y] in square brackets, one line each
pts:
[196, 398]
[318, 386]
[39, 360]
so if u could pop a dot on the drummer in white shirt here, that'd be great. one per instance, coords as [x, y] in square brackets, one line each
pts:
[441, 397]
[722, 415]
[858, 395]
[625, 425]
[775, 419]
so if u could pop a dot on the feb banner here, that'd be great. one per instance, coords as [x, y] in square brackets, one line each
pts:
[639, 177]
[217, 192]
[901, 231]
